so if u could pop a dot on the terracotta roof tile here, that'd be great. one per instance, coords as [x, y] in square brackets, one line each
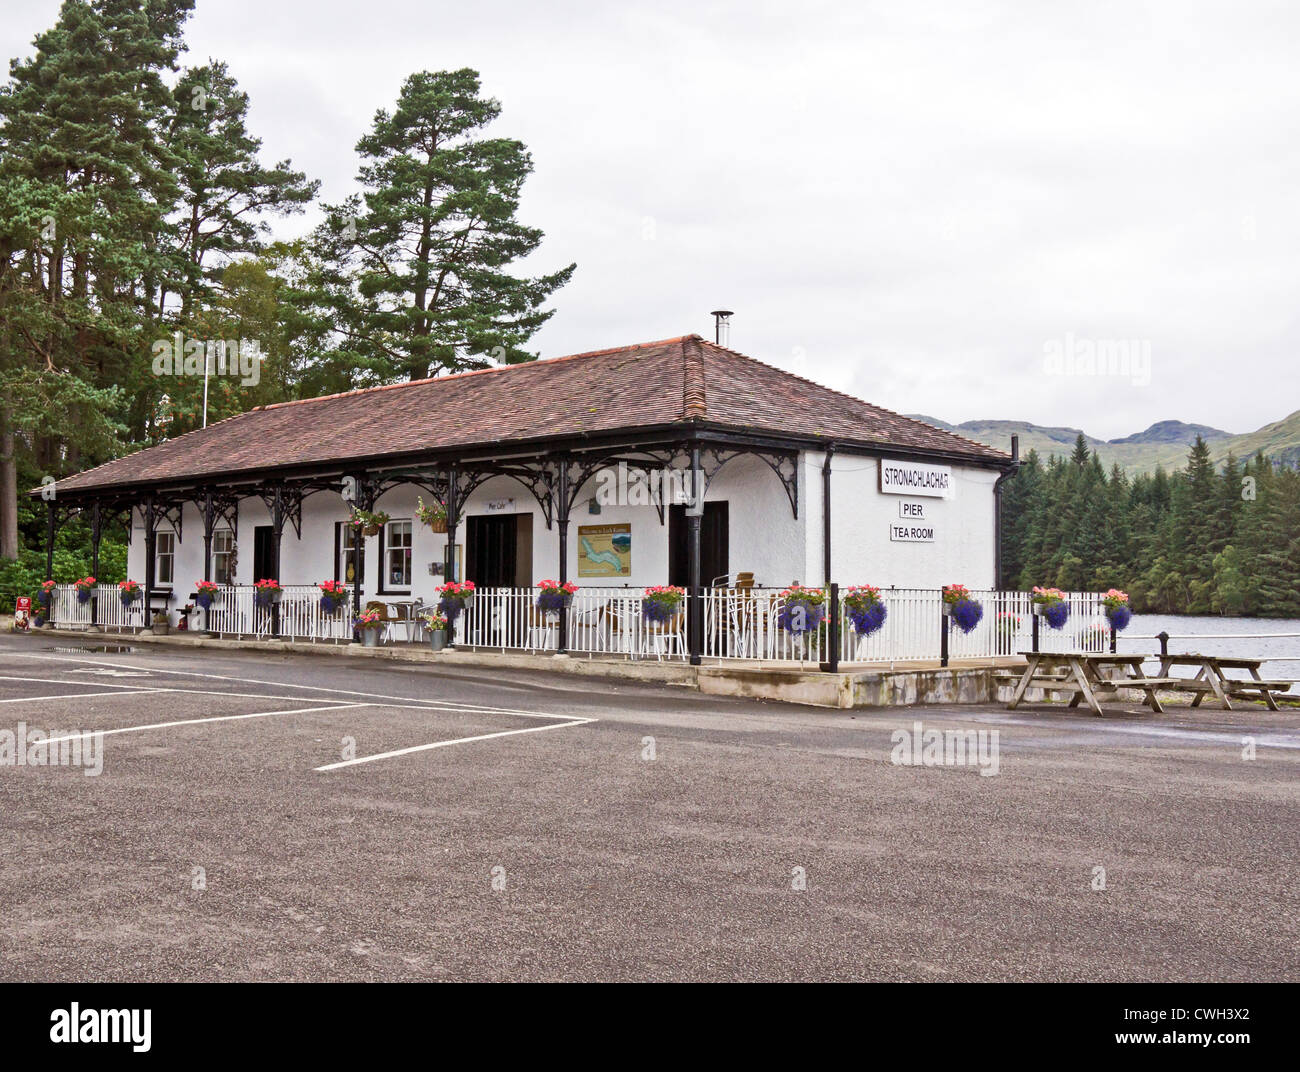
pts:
[674, 381]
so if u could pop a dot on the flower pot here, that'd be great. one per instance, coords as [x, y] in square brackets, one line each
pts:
[160, 629]
[965, 613]
[1056, 614]
[205, 600]
[83, 595]
[869, 619]
[370, 638]
[437, 639]
[438, 525]
[1119, 617]
[370, 530]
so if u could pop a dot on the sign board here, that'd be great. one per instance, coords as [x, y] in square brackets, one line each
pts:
[915, 478]
[905, 533]
[24, 603]
[501, 506]
[605, 550]
[22, 610]
[911, 511]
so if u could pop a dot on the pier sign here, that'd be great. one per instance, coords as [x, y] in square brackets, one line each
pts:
[915, 478]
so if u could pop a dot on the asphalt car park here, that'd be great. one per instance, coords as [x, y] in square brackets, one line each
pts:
[317, 817]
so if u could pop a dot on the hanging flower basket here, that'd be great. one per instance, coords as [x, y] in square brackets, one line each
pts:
[661, 601]
[43, 596]
[434, 516]
[554, 597]
[802, 611]
[1050, 605]
[267, 592]
[964, 611]
[333, 596]
[205, 593]
[1117, 609]
[85, 589]
[367, 521]
[865, 608]
[128, 592]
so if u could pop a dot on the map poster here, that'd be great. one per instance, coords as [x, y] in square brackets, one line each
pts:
[605, 550]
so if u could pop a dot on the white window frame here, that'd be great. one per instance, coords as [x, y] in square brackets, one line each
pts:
[164, 538]
[218, 553]
[391, 548]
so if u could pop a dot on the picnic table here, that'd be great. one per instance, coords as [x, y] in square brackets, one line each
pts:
[1089, 676]
[1210, 677]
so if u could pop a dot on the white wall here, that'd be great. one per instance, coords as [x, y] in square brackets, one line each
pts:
[863, 553]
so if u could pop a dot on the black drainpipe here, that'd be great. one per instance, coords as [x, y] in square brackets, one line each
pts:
[826, 514]
[997, 511]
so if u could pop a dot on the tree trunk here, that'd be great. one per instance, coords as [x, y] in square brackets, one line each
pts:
[8, 490]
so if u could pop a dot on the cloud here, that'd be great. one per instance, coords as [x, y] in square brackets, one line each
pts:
[909, 202]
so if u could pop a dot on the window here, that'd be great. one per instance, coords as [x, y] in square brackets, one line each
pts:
[223, 556]
[396, 556]
[345, 569]
[164, 557]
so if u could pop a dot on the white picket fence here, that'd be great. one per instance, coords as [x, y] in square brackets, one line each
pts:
[739, 624]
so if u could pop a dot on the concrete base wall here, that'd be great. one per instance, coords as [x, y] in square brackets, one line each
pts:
[845, 691]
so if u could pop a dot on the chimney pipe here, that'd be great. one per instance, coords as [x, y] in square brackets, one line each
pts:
[721, 326]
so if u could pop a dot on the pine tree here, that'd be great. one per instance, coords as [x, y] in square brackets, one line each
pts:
[415, 274]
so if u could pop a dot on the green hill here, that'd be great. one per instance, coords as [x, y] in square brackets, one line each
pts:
[1164, 443]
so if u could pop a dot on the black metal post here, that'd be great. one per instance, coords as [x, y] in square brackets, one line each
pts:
[695, 609]
[95, 531]
[943, 637]
[277, 528]
[209, 524]
[1163, 637]
[1034, 629]
[562, 520]
[832, 662]
[49, 554]
[1114, 640]
[826, 514]
[150, 545]
[449, 566]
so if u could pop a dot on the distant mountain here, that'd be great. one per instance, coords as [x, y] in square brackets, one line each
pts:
[1164, 443]
[1175, 432]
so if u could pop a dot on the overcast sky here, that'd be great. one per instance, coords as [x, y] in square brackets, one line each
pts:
[927, 204]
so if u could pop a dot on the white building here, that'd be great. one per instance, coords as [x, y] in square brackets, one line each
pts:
[576, 468]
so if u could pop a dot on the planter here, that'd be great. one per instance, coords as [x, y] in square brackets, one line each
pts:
[965, 613]
[867, 620]
[370, 638]
[798, 617]
[370, 530]
[127, 600]
[204, 600]
[437, 639]
[1056, 614]
[161, 629]
[83, 595]
[551, 603]
[332, 604]
[1119, 617]
[438, 526]
[265, 599]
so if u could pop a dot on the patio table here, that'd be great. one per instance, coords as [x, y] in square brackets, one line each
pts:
[1210, 677]
[1084, 674]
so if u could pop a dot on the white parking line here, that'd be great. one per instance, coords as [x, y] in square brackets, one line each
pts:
[195, 721]
[76, 696]
[448, 744]
[291, 685]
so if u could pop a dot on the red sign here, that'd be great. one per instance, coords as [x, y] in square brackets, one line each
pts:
[24, 603]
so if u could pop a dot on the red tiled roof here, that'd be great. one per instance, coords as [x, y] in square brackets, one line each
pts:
[674, 381]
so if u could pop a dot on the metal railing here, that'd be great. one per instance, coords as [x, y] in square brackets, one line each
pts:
[743, 624]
